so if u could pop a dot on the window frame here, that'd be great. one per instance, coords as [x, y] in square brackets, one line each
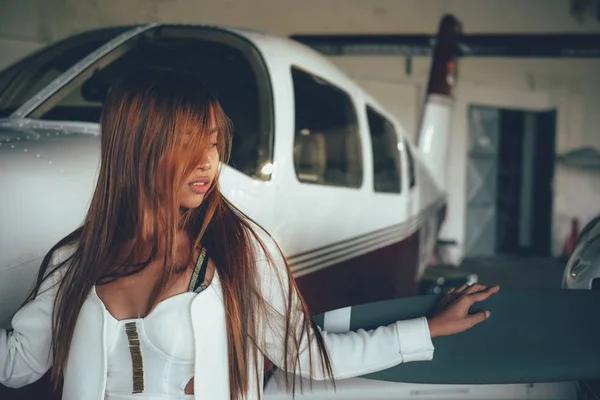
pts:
[411, 169]
[358, 129]
[245, 46]
[398, 142]
[47, 55]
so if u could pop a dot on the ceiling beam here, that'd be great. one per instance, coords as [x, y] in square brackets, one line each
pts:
[489, 45]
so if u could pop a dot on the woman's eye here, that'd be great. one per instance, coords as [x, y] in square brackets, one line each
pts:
[213, 145]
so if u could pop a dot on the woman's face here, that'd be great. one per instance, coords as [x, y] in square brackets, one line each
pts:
[200, 180]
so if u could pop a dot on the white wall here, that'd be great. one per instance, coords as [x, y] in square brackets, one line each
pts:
[571, 86]
[15, 49]
[45, 21]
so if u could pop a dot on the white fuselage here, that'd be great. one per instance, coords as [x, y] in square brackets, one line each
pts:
[48, 171]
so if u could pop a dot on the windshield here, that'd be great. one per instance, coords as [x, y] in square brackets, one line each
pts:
[22, 80]
[229, 65]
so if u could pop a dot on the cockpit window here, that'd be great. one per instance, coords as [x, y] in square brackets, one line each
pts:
[386, 155]
[19, 82]
[327, 148]
[228, 65]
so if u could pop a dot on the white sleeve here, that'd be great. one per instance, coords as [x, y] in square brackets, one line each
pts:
[351, 354]
[25, 353]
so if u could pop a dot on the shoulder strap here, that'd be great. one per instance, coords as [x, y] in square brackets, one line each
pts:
[197, 280]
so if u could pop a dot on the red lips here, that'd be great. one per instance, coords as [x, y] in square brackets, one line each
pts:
[199, 185]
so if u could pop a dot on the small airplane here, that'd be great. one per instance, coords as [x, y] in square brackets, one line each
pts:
[316, 160]
[320, 163]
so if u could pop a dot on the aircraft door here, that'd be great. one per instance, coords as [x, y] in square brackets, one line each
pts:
[319, 169]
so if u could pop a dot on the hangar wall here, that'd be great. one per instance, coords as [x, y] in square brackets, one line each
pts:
[569, 85]
[44, 21]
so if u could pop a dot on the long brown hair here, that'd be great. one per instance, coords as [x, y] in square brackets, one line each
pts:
[144, 163]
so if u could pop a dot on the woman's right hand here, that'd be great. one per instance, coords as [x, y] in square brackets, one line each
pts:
[452, 312]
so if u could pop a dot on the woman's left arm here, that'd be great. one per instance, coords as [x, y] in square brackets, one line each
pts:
[351, 354]
[25, 351]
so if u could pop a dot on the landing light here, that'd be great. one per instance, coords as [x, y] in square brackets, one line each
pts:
[267, 169]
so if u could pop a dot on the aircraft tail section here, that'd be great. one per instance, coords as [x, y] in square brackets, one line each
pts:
[436, 123]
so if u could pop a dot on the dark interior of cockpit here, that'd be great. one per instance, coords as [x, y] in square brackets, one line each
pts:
[224, 69]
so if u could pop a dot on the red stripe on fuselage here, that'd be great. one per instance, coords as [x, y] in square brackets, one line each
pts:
[389, 272]
[385, 273]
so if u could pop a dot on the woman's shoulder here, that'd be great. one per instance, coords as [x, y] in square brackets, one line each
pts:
[59, 260]
[63, 254]
[270, 260]
[264, 244]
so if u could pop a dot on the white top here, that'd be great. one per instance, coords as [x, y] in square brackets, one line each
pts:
[162, 346]
[25, 352]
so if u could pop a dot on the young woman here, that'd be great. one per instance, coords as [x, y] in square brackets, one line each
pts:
[167, 291]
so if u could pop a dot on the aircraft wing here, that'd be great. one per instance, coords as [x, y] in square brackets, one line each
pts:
[531, 336]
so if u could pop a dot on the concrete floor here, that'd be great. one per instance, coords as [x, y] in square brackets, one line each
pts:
[514, 272]
[510, 272]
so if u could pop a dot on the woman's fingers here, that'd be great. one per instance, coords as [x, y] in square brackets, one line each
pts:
[474, 288]
[484, 294]
[478, 318]
[474, 294]
[462, 288]
[452, 315]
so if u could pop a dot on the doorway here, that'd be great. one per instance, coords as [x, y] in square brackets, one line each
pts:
[510, 171]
